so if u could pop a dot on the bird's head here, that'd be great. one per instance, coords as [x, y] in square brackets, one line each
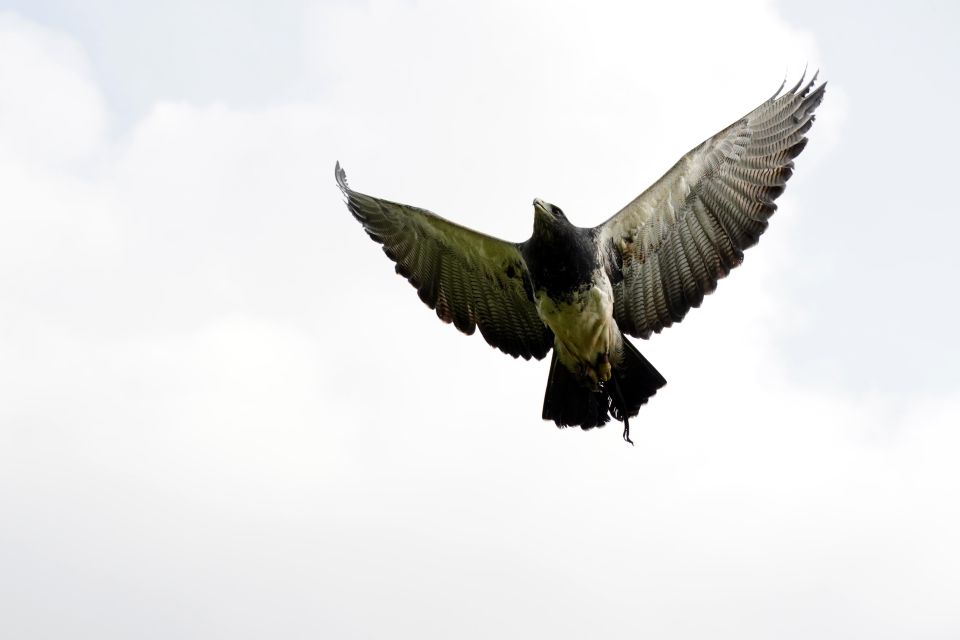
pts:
[546, 215]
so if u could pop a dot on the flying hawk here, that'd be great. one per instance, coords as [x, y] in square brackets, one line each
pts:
[578, 290]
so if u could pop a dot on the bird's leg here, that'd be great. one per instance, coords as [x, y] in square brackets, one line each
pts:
[621, 405]
[589, 376]
[598, 374]
[604, 368]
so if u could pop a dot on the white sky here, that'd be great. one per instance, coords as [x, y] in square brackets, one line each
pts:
[223, 415]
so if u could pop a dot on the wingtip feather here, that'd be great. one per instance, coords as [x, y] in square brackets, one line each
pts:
[341, 177]
[803, 77]
[780, 88]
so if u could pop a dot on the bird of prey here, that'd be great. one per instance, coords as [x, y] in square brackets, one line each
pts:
[579, 290]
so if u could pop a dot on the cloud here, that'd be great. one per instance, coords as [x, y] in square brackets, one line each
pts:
[563, 97]
[224, 415]
[45, 71]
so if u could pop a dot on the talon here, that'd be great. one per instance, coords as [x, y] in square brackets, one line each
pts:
[589, 374]
[626, 431]
[604, 368]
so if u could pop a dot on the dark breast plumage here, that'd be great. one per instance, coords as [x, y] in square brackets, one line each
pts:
[561, 261]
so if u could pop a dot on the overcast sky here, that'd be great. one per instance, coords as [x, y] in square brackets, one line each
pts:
[223, 415]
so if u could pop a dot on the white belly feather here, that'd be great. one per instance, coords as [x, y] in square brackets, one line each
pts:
[584, 327]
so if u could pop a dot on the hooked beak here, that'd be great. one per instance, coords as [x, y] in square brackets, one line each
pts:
[540, 208]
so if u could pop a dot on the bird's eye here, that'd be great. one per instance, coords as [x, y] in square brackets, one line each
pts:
[555, 210]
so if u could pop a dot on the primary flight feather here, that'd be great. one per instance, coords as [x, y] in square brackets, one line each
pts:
[578, 290]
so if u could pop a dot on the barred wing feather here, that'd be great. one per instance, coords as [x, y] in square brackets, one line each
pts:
[666, 249]
[471, 279]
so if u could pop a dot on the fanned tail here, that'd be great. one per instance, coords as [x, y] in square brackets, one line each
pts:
[637, 380]
[569, 402]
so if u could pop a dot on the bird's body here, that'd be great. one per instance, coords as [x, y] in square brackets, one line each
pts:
[583, 327]
[578, 290]
[571, 290]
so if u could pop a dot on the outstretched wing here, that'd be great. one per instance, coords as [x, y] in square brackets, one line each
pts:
[665, 250]
[471, 279]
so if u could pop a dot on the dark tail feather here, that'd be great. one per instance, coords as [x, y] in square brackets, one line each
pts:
[568, 402]
[637, 381]
[571, 404]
